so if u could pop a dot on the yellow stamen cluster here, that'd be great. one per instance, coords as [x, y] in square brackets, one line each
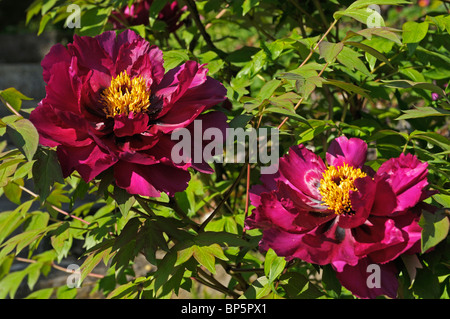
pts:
[126, 95]
[335, 187]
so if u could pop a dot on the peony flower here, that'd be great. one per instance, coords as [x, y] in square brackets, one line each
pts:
[110, 108]
[138, 13]
[343, 213]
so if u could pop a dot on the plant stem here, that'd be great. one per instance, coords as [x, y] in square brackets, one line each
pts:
[213, 283]
[32, 261]
[196, 16]
[10, 107]
[59, 210]
[224, 199]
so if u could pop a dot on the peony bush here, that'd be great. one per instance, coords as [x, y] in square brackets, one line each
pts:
[142, 173]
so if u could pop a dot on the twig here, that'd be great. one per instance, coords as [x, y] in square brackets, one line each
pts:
[10, 107]
[59, 210]
[301, 100]
[32, 261]
[216, 284]
[196, 16]
[224, 199]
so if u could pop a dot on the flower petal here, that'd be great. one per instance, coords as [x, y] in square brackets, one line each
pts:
[89, 161]
[131, 124]
[302, 169]
[361, 279]
[342, 150]
[407, 177]
[150, 180]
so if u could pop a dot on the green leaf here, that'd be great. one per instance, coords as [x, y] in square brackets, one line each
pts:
[329, 51]
[248, 5]
[155, 9]
[221, 238]
[371, 51]
[273, 265]
[405, 84]
[423, 111]
[259, 289]
[414, 32]
[41, 294]
[64, 292]
[46, 172]
[25, 136]
[124, 200]
[433, 138]
[435, 227]
[33, 10]
[184, 255]
[174, 58]
[351, 60]
[94, 259]
[13, 191]
[293, 283]
[44, 21]
[10, 284]
[268, 89]
[426, 284]
[93, 20]
[204, 256]
[383, 32]
[349, 87]
[365, 3]
[366, 16]
[216, 251]
[13, 97]
[288, 113]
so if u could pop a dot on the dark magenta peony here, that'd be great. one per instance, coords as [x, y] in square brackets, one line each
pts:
[344, 213]
[110, 108]
[138, 13]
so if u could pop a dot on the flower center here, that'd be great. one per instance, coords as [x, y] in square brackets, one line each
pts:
[126, 95]
[335, 187]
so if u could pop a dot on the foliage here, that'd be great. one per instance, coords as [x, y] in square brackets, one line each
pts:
[312, 68]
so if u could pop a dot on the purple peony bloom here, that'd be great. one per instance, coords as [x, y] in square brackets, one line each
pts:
[138, 13]
[344, 213]
[110, 108]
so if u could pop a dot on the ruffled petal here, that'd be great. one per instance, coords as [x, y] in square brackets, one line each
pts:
[342, 150]
[89, 161]
[302, 169]
[150, 180]
[367, 280]
[407, 177]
